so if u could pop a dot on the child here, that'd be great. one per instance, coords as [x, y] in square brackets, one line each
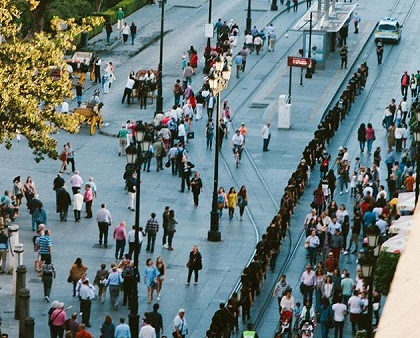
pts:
[353, 184]
[296, 315]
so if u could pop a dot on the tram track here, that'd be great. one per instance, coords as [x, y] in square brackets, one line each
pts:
[293, 243]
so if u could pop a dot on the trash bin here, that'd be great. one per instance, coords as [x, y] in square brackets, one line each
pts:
[84, 41]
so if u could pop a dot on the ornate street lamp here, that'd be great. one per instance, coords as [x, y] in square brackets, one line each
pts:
[218, 81]
[159, 99]
[137, 153]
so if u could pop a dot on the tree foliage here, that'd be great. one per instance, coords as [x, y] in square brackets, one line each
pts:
[385, 270]
[28, 91]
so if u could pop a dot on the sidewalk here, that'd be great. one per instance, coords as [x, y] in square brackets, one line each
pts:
[223, 262]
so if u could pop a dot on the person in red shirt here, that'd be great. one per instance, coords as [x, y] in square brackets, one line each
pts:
[83, 333]
[409, 182]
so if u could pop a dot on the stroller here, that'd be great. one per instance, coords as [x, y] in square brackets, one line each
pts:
[286, 323]
[307, 330]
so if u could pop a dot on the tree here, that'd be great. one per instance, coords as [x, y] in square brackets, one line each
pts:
[385, 269]
[28, 92]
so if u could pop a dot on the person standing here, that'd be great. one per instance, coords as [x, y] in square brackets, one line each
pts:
[343, 55]
[196, 185]
[100, 280]
[355, 306]
[122, 330]
[361, 137]
[120, 239]
[159, 150]
[4, 246]
[77, 205]
[88, 199]
[194, 264]
[249, 332]
[108, 30]
[133, 32]
[295, 5]
[155, 319]
[171, 228]
[379, 51]
[131, 240]
[150, 274]
[339, 315]
[77, 270]
[82, 332]
[128, 90]
[405, 82]
[312, 243]
[86, 294]
[57, 319]
[76, 181]
[63, 203]
[160, 265]
[48, 274]
[165, 223]
[152, 228]
[209, 132]
[122, 140]
[97, 65]
[104, 219]
[180, 325]
[120, 17]
[356, 21]
[177, 90]
[125, 32]
[266, 133]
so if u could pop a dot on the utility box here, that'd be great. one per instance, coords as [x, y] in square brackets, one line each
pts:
[284, 112]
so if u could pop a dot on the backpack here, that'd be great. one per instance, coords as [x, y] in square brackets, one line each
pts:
[179, 154]
[324, 162]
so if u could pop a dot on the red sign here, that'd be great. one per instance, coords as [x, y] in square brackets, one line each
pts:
[297, 61]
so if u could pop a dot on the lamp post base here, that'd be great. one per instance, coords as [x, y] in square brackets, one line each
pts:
[274, 6]
[214, 236]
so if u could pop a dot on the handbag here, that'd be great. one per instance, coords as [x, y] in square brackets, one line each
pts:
[69, 279]
[331, 323]
[168, 164]
[190, 135]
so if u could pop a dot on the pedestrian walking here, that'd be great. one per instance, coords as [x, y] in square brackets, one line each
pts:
[63, 203]
[339, 315]
[249, 332]
[120, 17]
[196, 186]
[343, 55]
[194, 264]
[307, 283]
[147, 330]
[77, 270]
[56, 321]
[107, 328]
[171, 228]
[209, 133]
[266, 134]
[122, 140]
[114, 283]
[180, 325]
[48, 275]
[295, 5]
[150, 274]
[155, 319]
[165, 223]
[97, 64]
[133, 32]
[232, 201]
[379, 51]
[280, 290]
[104, 219]
[125, 32]
[177, 90]
[100, 280]
[76, 181]
[238, 63]
[128, 90]
[242, 201]
[122, 330]
[160, 265]
[405, 82]
[77, 205]
[361, 137]
[120, 239]
[152, 228]
[4, 247]
[370, 137]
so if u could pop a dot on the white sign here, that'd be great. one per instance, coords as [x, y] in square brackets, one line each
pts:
[208, 30]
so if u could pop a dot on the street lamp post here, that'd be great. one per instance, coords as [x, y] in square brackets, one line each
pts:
[248, 18]
[416, 137]
[137, 154]
[308, 74]
[207, 54]
[218, 81]
[159, 99]
[368, 263]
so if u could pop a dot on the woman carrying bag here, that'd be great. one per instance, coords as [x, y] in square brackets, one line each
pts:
[194, 264]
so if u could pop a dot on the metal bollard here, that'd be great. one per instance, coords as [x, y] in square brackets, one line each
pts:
[24, 295]
[29, 327]
[20, 284]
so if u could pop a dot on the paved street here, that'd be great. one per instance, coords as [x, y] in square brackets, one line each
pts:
[265, 79]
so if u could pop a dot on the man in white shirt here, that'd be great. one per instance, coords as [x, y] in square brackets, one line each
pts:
[237, 142]
[86, 294]
[266, 136]
[355, 308]
[340, 311]
[147, 331]
[128, 90]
